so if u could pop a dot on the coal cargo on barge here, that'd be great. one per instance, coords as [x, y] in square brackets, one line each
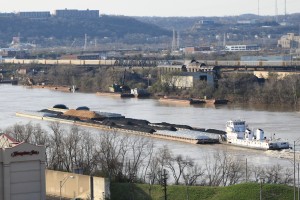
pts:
[118, 122]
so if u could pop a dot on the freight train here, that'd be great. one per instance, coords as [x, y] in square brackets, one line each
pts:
[114, 62]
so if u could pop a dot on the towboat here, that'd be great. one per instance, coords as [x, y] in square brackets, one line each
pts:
[238, 133]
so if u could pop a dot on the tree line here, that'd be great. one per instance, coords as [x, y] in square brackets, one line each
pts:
[236, 87]
[127, 158]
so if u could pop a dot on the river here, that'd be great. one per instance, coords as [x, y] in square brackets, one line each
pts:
[284, 123]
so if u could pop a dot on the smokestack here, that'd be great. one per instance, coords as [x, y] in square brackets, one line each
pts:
[178, 40]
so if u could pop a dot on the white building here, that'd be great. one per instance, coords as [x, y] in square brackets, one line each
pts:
[242, 47]
[22, 170]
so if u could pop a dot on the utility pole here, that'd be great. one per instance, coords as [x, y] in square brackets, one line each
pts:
[187, 189]
[164, 179]
[260, 190]
[298, 183]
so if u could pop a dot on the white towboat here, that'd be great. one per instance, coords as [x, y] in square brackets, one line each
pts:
[237, 133]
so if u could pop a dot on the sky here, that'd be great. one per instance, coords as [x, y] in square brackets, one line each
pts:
[164, 8]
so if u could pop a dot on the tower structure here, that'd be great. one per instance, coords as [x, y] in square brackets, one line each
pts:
[284, 10]
[276, 11]
[175, 40]
[258, 8]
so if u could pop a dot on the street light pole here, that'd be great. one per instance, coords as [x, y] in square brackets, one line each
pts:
[61, 184]
[294, 171]
[260, 191]
[298, 181]
[187, 183]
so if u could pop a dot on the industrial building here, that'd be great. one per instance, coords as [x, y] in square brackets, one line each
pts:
[35, 15]
[74, 13]
[289, 41]
[22, 170]
[188, 79]
[195, 50]
[186, 75]
[252, 47]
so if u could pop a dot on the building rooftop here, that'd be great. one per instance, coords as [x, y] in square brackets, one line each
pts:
[6, 141]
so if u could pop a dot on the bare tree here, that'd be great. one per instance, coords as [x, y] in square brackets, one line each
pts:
[213, 170]
[192, 173]
[87, 153]
[140, 149]
[56, 157]
[71, 143]
[177, 166]
[108, 154]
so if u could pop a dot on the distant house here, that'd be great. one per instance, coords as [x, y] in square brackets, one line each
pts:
[22, 170]
[22, 71]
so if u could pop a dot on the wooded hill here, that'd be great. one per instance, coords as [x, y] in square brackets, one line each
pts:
[44, 31]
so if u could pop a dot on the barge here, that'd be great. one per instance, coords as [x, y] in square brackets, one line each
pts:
[192, 100]
[237, 133]
[117, 122]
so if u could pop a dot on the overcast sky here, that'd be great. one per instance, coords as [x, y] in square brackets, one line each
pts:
[158, 7]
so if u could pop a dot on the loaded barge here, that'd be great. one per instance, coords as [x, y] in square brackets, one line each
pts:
[82, 116]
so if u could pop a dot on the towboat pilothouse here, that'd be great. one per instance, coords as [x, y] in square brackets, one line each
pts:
[237, 133]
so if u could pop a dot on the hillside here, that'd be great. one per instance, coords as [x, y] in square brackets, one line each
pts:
[58, 30]
[246, 191]
[243, 29]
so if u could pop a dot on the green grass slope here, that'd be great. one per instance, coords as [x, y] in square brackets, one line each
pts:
[245, 191]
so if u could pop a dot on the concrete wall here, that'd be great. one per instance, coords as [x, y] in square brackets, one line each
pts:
[75, 185]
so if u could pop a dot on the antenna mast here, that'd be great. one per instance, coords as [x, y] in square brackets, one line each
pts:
[258, 8]
[276, 11]
[285, 10]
